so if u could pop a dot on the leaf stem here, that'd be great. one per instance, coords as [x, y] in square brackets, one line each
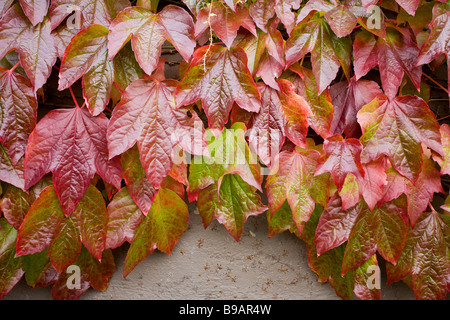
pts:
[73, 97]
[117, 87]
[443, 118]
[435, 82]
[15, 66]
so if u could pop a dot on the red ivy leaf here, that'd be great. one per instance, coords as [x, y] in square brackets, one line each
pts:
[348, 98]
[328, 52]
[292, 178]
[394, 55]
[438, 42]
[165, 223]
[12, 174]
[148, 31]
[219, 76]
[445, 136]
[19, 112]
[33, 43]
[87, 56]
[146, 116]
[425, 257]
[74, 150]
[64, 235]
[342, 157]
[223, 21]
[396, 128]
[35, 10]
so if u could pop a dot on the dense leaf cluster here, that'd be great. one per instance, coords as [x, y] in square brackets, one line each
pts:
[333, 109]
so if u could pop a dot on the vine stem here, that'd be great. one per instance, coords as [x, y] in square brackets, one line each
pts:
[435, 82]
[73, 97]
[443, 118]
[210, 37]
[117, 87]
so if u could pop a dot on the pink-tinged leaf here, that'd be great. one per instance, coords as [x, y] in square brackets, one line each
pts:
[425, 257]
[365, 56]
[11, 267]
[46, 226]
[396, 128]
[124, 217]
[397, 54]
[231, 202]
[140, 188]
[87, 56]
[219, 76]
[348, 98]
[292, 178]
[438, 41]
[374, 183]
[321, 105]
[90, 11]
[224, 21]
[35, 10]
[146, 116]
[261, 12]
[18, 105]
[283, 9]
[267, 132]
[419, 194]
[165, 223]
[74, 150]
[12, 174]
[410, 6]
[445, 136]
[148, 32]
[342, 157]
[363, 276]
[15, 203]
[328, 52]
[33, 43]
[93, 273]
[4, 6]
[327, 266]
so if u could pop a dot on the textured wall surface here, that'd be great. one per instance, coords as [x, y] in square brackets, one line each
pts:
[210, 264]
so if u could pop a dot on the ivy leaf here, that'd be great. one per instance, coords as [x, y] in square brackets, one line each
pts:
[395, 55]
[410, 6]
[224, 21]
[438, 42]
[160, 229]
[124, 217]
[15, 203]
[146, 116]
[374, 183]
[261, 12]
[18, 105]
[74, 150]
[348, 98]
[425, 257]
[283, 9]
[87, 56]
[33, 43]
[342, 156]
[140, 188]
[11, 268]
[321, 104]
[328, 52]
[383, 229]
[396, 128]
[292, 179]
[92, 11]
[38, 270]
[229, 154]
[93, 273]
[219, 76]
[148, 32]
[35, 10]
[231, 202]
[12, 174]
[46, 226]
